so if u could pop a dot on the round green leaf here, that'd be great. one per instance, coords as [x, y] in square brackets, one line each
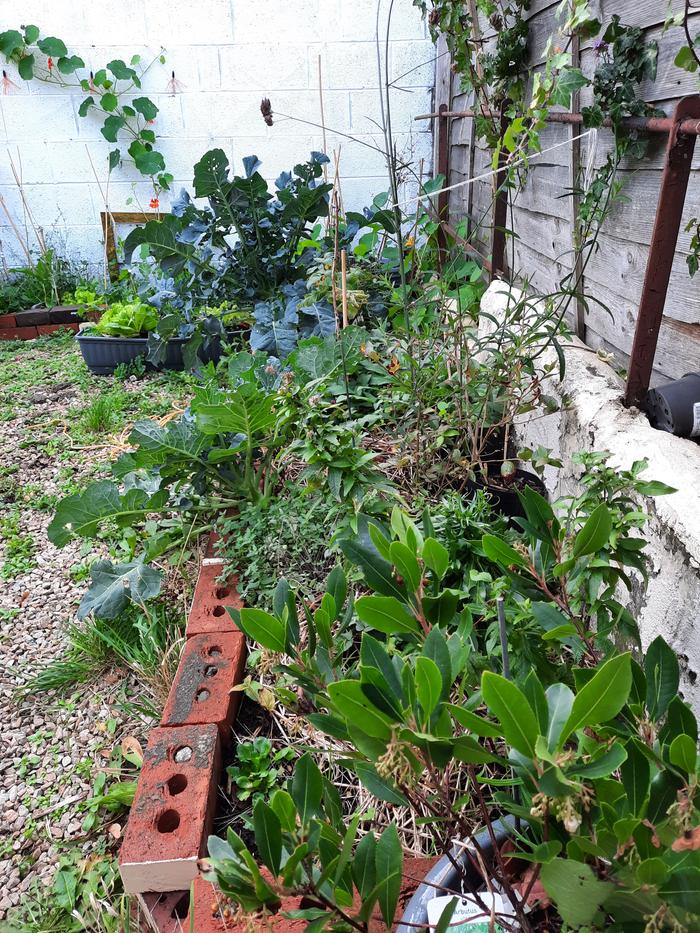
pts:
[52, 46]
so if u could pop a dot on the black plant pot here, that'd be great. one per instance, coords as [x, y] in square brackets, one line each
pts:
[103, 354]
[444, 878]
[505, 497]
[675, 407]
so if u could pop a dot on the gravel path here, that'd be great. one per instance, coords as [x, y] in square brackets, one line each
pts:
[52, 745]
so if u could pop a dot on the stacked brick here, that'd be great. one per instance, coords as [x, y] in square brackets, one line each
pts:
[26, 325]
[175, 801]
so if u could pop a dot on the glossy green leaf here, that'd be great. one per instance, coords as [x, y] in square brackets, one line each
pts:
[307, 788]
[474, 723]
[601, 698]
[636, 779]
[146, 107]
[404, 559]
[268, 835]
[510, 706]
[389, 865]
[52, 47]
[350, 702]
[602, 766]
[575, 890]
[68, 64]
[25, 67]
[386, 614]
[682, 890]
[652, 871]
[595, 532]
[662, 674]
[283, 805]
[428, 685]
[264, 628]
[376, 571]
[684, 754]
[436, 557]
[501, 553]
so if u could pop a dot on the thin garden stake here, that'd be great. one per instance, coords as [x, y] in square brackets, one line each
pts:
[344, 292]
[504, 636]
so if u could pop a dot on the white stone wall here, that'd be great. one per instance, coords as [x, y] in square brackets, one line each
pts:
[227, 54]
[592, 417]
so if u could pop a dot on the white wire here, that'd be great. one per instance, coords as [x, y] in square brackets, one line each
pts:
[522, 159]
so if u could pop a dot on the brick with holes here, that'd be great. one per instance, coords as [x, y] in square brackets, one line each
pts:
[209, 612]
[173, 809]
[201, 692]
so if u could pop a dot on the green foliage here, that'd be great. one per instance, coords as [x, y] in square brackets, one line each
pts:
[19, 548]
[258, 769]
[288, 538]
[46, 283]
[108, 90]
[126, 319]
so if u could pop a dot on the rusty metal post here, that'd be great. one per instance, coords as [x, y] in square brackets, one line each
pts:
[669, 211]
[500, 207]
[443, 168]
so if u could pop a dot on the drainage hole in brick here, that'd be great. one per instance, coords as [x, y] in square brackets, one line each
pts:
[182, 908]
[211, 670]
[214, 651]
[182, 753]
[176, 784]
[219, 611]
[202, 695]
[222, 592]
[168, 822]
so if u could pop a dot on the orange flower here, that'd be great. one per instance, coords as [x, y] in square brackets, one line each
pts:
[50, 63]
[409, 242]
[155, 204]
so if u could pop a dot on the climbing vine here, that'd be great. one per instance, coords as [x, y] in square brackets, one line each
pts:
[111, 92]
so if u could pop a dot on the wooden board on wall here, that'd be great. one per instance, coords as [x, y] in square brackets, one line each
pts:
[542, 211]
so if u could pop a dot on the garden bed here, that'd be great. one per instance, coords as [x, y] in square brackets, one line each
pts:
[37, 322]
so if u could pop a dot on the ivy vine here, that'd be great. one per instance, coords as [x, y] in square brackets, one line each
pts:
[111, 92]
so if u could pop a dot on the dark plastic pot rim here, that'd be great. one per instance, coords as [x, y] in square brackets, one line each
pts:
[136, 340]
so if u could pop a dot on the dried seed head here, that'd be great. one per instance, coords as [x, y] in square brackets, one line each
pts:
[266, 110]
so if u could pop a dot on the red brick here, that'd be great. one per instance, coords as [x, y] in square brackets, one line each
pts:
[166, 912]
[18, 333]
[173, 809]
[209, 604]
[7, 320]
[211, 554]
[50, 328]
[201, 692]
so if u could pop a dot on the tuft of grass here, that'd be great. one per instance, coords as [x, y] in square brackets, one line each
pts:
[19, 548]
[143, 639]
[103, 412]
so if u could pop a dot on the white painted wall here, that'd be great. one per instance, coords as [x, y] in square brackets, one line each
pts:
[227, 54]
[593, 418]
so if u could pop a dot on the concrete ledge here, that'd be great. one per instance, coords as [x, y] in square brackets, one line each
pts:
[593, 418]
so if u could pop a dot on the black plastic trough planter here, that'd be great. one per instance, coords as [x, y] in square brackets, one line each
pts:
[103, 354]
[444, 878]
[505, 498]
[675, 407]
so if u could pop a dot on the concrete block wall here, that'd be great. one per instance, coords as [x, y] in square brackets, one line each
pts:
[227, 55]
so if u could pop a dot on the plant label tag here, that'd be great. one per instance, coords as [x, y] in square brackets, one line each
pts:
[469, 917]
[696, 420]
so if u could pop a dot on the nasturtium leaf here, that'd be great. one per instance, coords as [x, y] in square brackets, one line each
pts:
[52, 47]
[307, 788]
[109, 102]
[575, 890]
[601, 698]
[85, 106]
[149, 162]
[662, 676]
[501, 553]
[31, 34]
[11, 41]
[121, 71]
[68, 64]
[115, 158]
[113, 586]
[268, 835]
[386, 614]
[264, 628]
[25, 67]
[510, 706]
[146, 107]
[111, 126]
[595, 532]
